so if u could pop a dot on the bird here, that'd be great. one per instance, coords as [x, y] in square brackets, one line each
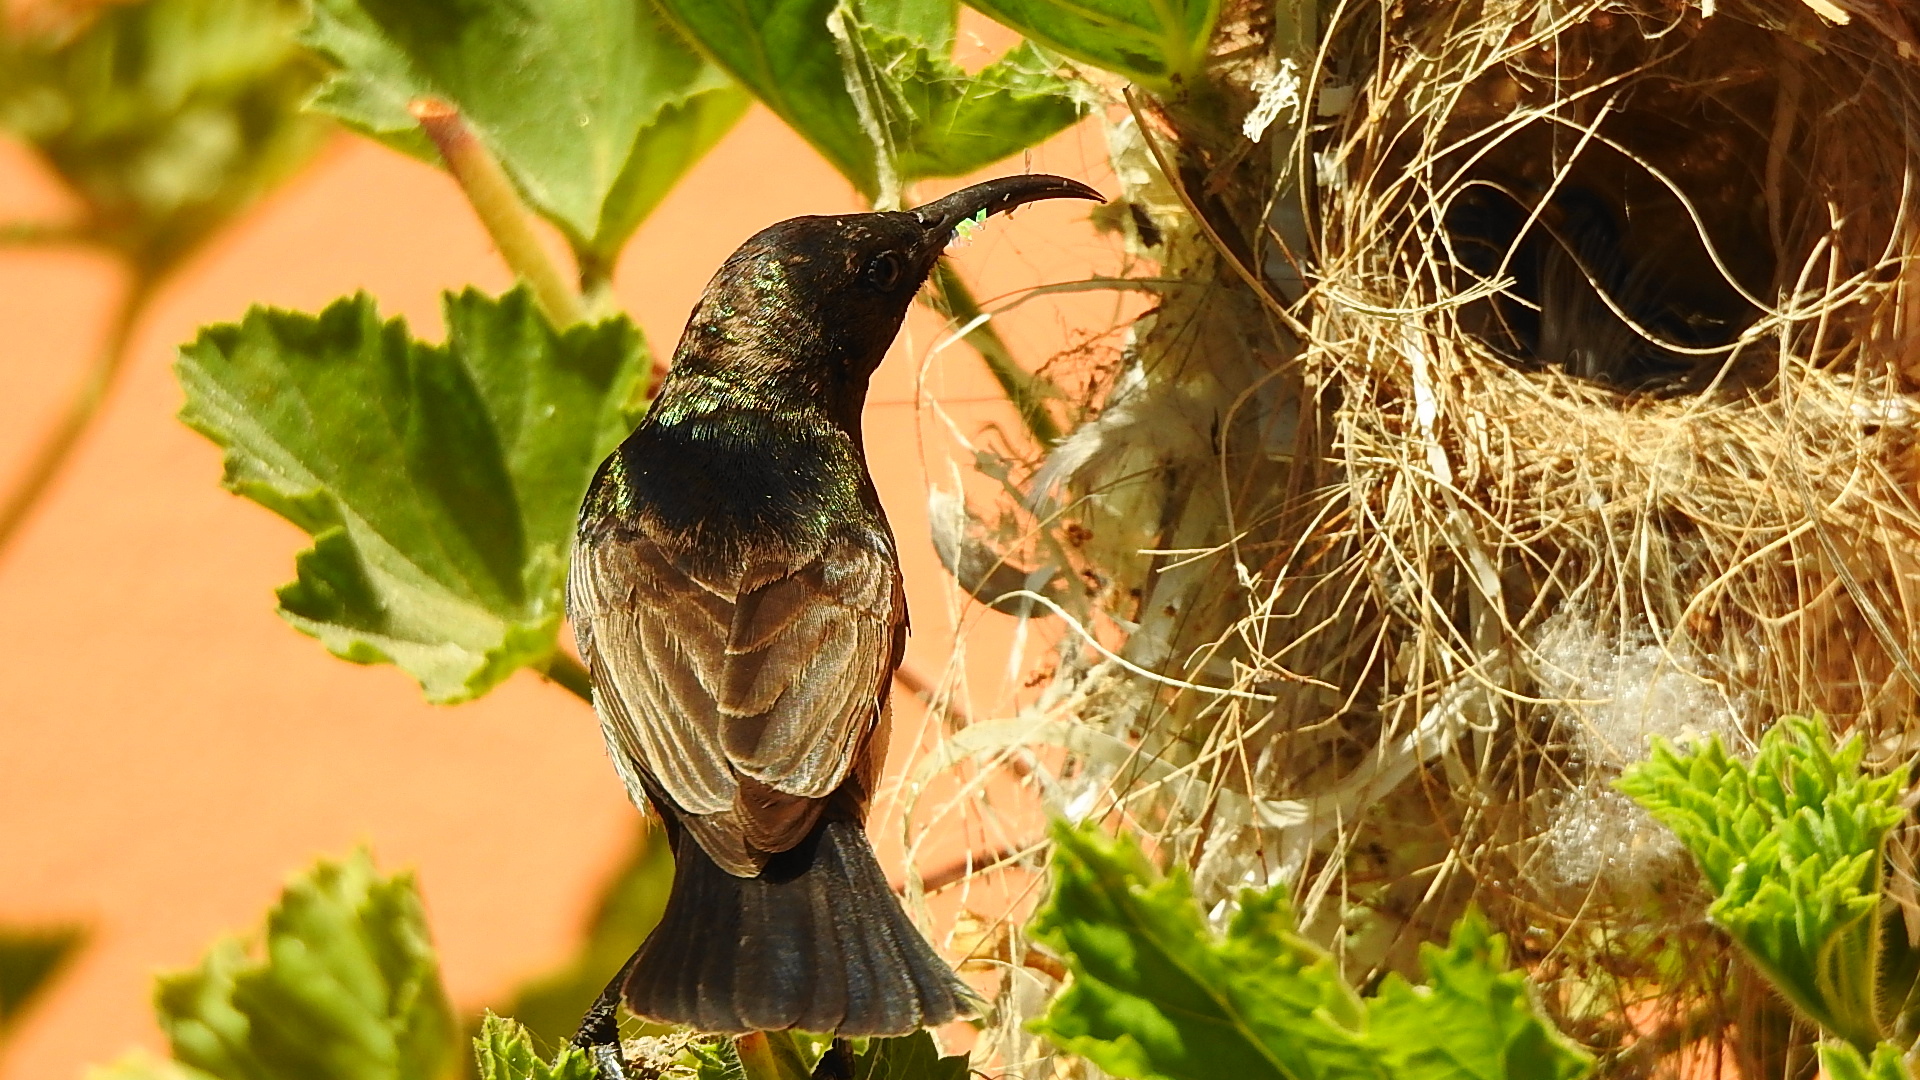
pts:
[735, 593]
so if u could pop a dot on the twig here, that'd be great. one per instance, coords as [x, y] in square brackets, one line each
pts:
[51, 456]
[973, 862]
[564, 671]
[923, 688]
[499, 207]
[1028, 392]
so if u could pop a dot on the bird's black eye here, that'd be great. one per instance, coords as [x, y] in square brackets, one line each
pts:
[884, 271]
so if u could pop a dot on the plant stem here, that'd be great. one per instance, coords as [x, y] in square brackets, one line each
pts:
[51, 456]
[1028, 392]
[977, 862]
[596, 281]
[499, 207]
[563, 670]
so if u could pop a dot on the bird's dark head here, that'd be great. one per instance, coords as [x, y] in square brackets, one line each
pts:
[812, 303]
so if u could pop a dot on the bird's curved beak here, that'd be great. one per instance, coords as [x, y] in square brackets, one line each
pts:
[942, 216]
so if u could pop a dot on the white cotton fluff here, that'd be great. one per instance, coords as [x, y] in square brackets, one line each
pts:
[1616, 693]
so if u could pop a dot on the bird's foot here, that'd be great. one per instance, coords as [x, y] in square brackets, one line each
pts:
[599, 1033]
[608, 1062]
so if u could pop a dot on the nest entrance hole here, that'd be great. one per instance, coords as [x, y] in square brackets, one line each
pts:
[1632, 216]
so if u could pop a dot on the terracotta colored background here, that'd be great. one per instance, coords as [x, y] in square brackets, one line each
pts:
[170, 750]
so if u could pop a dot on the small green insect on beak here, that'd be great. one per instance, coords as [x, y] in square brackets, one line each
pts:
[963, 232]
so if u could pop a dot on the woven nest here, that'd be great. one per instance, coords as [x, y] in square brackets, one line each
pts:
[1611, 335]
[1637, 352]
[1585, 415]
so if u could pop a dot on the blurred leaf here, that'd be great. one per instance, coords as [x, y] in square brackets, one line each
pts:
[167, 117]
[1793, 844]
[910, 1057]
[662, 154]
[551, 1007]
[1157, 43]
[440, 482]
[505, 1051]
[347, 988]
[781, 1055]
[936, 120]
[30, 958]
[1156, 995]
[776, 1055]
[1839, 1061]
[142, 1065]
[595, 107]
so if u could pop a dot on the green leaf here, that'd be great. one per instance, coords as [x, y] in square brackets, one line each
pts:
[1156, 995]
[913, 112]
[505, 1052]
[662, 154]
[936, 120]
[594, 107]
[347, 988]
[440, 482]
[1840, 1061]
[1473, 1018]
[1157, 43]
[716, 1060]
[775, 1055]
[911, 1057]
[30, 959]
[932, 24]
[781, 50]
[1793, 843]
[167, 117]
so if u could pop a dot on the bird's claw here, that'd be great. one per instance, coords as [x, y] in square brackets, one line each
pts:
[599, 1033]
[608, 1062]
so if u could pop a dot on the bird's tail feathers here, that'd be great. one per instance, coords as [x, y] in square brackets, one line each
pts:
[816, 942]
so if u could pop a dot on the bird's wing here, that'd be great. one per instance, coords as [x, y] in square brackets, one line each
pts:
[745, 700]
[654, 640]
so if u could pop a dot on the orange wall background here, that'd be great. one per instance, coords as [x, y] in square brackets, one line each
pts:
[170, 750]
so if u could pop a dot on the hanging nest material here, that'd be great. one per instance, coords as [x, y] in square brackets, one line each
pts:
[1549, 385]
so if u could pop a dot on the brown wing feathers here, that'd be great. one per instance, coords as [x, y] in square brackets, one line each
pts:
[748, 708]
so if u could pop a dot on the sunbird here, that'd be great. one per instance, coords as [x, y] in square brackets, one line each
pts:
[736, 594]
